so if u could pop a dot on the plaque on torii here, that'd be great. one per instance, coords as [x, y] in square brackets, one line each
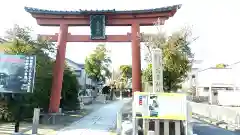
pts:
[98, 26]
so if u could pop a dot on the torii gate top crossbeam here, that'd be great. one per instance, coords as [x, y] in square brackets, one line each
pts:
[144, 17]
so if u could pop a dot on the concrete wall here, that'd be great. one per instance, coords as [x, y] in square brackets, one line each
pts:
[229, 98]
[216, 113]
[224, 97]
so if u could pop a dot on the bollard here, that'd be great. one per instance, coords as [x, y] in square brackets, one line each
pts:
[145, 126]
[60, 110]
[166, 127]
[81, 105]
[121, 95]
[178, 128]
[238, 120]
[157, 127]
[119, 122]
[36, 115]
[134, 120]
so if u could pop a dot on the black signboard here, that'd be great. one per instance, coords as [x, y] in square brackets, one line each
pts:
[97, 25]
[17, 73]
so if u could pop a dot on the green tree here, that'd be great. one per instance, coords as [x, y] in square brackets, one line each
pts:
[20, 42]
[125, 75]
[97, 63]
[126, 71]
[176, 57]
[147, 74]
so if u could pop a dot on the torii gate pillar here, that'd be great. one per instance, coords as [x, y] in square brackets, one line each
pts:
[136, 58]
[58, 69]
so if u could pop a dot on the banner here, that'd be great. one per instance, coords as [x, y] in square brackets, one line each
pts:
[17, 73]
[172, 106]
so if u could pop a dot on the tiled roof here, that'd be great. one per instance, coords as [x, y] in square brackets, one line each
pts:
[2, 40]
[79, 65]
[113, 11]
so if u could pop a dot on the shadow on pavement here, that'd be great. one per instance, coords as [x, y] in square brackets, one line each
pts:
[8, 128]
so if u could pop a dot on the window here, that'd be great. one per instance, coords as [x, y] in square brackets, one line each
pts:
[78, 73]
[206, 89]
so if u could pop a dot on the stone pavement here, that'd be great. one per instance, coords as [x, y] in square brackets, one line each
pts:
[99, 122]
[8, 128]
[26, 128]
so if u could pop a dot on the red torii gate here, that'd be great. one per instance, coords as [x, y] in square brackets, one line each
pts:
[97, 20]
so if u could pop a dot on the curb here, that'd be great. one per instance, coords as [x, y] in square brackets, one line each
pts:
[216, 123]
[30, 127]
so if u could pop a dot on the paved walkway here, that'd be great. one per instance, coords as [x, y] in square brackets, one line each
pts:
[26, 128]
[99, 122]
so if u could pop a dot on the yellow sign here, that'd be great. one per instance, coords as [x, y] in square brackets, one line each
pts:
[172, 106]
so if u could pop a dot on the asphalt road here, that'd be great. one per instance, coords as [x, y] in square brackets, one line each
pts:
[201, 128]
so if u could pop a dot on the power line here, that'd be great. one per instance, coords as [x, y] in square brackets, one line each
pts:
[218, 68]
[233, 63]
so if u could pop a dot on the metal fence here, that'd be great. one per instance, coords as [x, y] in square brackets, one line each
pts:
[219, 114]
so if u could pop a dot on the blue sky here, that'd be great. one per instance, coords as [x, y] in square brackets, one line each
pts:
[216, 22]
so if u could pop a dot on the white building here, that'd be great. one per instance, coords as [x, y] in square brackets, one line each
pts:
[236, 74]
[226, 78]
[82, 77]
[190, 80]
[220, 85]
[215, 79]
